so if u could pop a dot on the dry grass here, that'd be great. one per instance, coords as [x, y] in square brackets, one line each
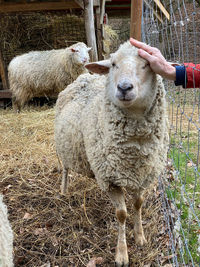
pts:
[64, 230]
[110, 36]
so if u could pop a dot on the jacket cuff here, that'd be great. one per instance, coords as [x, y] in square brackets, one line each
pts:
[181, 78]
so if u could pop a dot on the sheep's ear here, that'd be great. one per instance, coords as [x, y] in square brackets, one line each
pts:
[74, 50]
[99, 67]
[89, 48]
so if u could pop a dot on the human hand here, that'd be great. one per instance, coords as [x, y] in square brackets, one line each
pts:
[156, 60]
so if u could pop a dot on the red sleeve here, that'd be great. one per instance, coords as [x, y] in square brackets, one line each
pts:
[193, 75]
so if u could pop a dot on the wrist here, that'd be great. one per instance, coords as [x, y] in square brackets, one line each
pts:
[170, 72]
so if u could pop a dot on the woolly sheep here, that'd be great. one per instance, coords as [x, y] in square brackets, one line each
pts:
[114, 127]
[45, 73]
[6, 237]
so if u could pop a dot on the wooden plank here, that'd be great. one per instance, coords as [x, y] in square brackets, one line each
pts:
[162, 8]
[80, 3]
[21, 7]
[136, 19]
[118, 6]
[3, 72]
[5, 94]
[96, 3]
[90, 29]
[154, 12]
[99, 33]
[102, 11]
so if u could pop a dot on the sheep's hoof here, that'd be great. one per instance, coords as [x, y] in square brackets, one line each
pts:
[140, 240]
[63, 191]
[117, 264]
[121, 257]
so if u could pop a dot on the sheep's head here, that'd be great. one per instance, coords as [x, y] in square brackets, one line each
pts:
[80, 53]
[130, 77]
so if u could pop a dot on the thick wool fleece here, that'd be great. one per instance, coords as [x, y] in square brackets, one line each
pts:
[6, 237]
[94, 136]
[43, 73]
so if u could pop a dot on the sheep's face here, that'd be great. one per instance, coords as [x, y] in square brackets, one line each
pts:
[129, 77]
[80, 54]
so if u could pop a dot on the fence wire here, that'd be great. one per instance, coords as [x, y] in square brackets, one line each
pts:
[178, 38]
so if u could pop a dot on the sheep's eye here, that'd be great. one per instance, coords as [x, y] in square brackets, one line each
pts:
[115, 66]
[74, 50]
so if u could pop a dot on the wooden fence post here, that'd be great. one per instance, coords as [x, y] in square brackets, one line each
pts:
[99, 35]
[136, 19]
[3, 72]
[90, 29]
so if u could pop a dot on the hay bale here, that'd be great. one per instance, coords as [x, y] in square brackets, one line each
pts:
[110, 36]
[23, 32]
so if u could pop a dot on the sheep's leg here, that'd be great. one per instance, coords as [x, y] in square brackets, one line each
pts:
[59, 163]
[138, 229]
[16, 105]
[64, 181]
[118, 200]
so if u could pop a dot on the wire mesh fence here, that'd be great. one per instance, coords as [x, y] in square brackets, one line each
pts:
[179, 40]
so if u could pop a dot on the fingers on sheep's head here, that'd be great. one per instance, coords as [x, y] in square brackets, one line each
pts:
[81, 55]
[129, 78]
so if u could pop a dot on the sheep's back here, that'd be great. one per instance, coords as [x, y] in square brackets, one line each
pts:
[70, 107]
[40, 73]
[37, 67]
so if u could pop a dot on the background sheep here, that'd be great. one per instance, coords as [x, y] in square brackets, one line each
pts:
[6, 237]
[45, 73]
[114, 127]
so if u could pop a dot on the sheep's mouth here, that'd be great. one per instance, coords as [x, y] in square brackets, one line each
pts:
[126, 97]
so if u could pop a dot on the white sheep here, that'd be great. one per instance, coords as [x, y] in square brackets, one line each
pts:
[45, 73]
[114, 127]
[6, 237]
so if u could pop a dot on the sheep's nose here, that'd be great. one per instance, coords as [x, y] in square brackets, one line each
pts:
[124, 87]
